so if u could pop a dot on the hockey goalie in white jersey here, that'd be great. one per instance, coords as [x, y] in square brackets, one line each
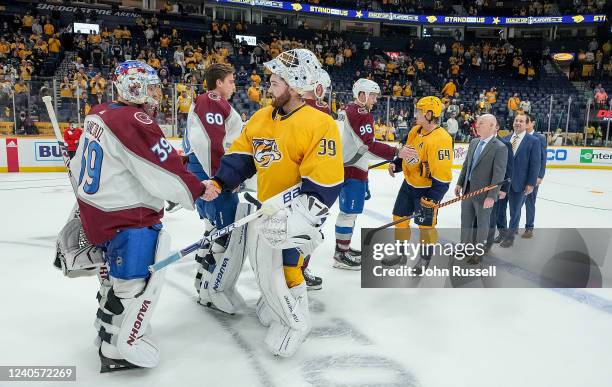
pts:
[125, 169]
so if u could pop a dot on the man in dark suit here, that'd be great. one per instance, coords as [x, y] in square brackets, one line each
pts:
[501, 205]
[485, 164]
[527, 156]
[530, 200]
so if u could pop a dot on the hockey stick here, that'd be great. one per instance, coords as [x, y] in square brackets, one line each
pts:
[202, 243]
[60, 139]
[368, 238]
[401, 143]
[380, 163]
[286, 196]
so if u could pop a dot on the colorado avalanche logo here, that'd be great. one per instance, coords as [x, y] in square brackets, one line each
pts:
[266, 151]
[143, 118]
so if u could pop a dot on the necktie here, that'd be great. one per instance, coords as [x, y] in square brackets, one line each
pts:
[476, 156]
[514, 143]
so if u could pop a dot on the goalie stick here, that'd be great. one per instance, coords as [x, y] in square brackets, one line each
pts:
[286, 196]
[60, 139]
[368, 238]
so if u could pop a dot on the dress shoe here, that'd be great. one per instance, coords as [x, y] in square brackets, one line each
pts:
[528, 234]
[506, 243]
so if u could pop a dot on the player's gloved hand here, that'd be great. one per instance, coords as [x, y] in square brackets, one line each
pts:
[409, 154]
[426, 213]
[212, 190]
[296, 226]
[368, 195]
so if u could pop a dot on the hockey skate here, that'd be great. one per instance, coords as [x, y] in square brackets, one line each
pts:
[344, 260]
[173, 207]
[312, 281]
[394, 260]
[111, 365]
[421, 265]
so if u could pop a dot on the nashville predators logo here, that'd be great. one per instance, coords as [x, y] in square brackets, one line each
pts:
[432, 19]
[265, 151]
[578, 18]
[296, 6]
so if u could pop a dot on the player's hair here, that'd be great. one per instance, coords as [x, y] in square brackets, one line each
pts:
[523, 114]
[530, 117]
[217, 71]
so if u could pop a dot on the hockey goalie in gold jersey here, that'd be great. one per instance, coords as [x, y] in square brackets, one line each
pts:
[427, 175]
[287, 144]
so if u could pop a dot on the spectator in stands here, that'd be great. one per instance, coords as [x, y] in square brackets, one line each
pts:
[525, 105]
[449, 89]
[513, 105]
[253, 93]
[183, 105]
[491, 96]
[601, 97]
[21, 94]
[452, 127]
[25, 124]
[453, 109]
[255, 78]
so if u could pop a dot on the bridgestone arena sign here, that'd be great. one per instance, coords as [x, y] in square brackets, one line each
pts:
[107, 12]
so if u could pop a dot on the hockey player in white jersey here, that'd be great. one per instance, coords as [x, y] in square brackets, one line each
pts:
[212, 125]
[126, 169]
[359, 148]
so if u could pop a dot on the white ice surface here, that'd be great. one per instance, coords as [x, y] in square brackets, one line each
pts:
[412, 337]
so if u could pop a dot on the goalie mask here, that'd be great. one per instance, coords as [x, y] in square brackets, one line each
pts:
[299, 68]
[138, 83]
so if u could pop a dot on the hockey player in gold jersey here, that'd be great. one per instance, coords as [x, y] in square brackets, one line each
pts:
[286, 144]
[427, 175]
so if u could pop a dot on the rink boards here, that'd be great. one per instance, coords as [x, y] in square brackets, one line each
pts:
[42, 154]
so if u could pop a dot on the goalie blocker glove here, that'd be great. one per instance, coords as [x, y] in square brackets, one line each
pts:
[296, 226]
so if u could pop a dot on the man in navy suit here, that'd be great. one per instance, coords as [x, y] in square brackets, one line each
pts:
[527, 156]
[530, 200]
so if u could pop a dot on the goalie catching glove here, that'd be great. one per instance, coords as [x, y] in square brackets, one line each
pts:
[426, 213]
[295, 226]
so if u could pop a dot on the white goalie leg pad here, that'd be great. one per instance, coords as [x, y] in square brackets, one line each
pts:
[200, 254]
[283, 340]
[220, 288]
[264, 313]
[124, 318]
[287, 310]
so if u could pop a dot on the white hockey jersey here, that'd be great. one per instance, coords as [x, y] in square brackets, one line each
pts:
[358, 145]
[125, 169]
[212, 126]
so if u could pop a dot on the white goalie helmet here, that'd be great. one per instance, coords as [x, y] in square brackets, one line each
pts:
[366, 86]
[132, 79]
[324, 80]
[299, 68]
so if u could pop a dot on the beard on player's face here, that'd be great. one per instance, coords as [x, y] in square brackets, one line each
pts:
[281, 100]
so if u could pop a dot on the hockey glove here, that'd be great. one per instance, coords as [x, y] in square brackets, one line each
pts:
[297, 226]
[426, 213]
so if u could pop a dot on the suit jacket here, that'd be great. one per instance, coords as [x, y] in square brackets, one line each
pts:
[490, 167]
[527, 162]
[509, 165]
[543, 147]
